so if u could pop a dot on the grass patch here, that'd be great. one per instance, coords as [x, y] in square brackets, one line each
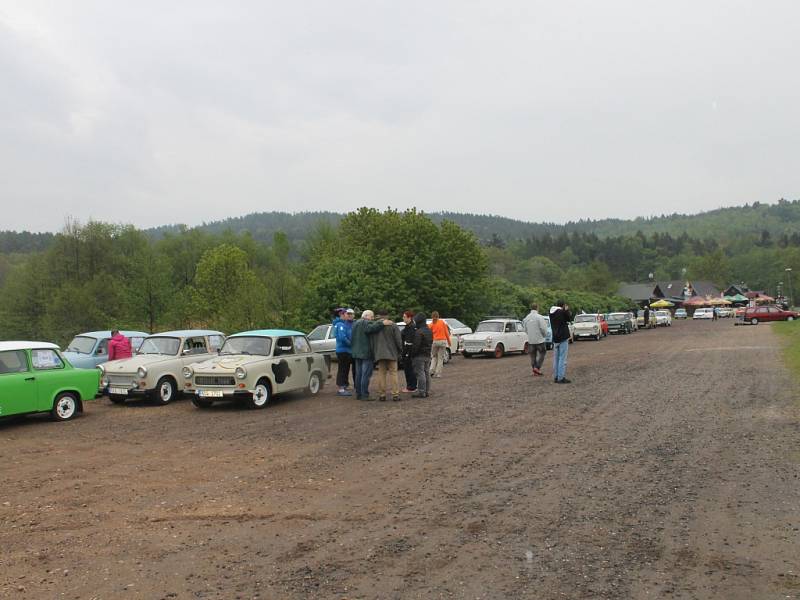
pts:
[790, 330]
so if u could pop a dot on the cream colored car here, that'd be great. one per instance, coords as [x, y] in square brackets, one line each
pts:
[253, 366]
[156, 369]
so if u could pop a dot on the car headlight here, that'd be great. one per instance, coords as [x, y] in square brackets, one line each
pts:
[187, 372]
[141, 372]
[104, 382]
[102, 369]
[241, 373]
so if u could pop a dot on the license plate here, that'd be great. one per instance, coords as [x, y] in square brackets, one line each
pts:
[118, 391]
[210, 393]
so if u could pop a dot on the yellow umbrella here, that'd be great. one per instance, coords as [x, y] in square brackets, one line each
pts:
[719, 302]
[661, 304]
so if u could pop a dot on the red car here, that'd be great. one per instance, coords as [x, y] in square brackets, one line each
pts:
[768, 313]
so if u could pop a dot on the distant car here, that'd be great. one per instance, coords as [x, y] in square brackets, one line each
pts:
[323, 340]
[651, 323]
[590, 326]
[36, 378]
[457, 330]
[619, 323]
[87, 350]
[155, 371]
[496, 337]
[758, 314]
[725, 312]
[663, 318]
[681, 313]
[703, 313]
[254, 366]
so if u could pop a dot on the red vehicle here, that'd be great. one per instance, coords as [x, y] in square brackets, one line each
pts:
[757, 314]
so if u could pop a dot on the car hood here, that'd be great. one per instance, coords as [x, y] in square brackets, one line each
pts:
[589, 325]
[481, 336]
[225, 364]
[130, 365]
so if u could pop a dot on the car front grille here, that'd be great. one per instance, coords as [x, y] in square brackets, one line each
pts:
[124, 380]
[214, 380]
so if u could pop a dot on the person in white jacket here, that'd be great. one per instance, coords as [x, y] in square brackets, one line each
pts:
[536, 328]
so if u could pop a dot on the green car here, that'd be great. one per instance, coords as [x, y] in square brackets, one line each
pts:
[36, 378]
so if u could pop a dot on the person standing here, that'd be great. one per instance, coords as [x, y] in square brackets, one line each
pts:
[388, 349]
[441, 342]
[408, 342]
[362, 351]
[646, 317]
[119, 346]
[559, 323]
[421, 355]
[536, 328]
[343, 332]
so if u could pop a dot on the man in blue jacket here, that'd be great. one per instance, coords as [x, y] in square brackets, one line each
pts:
[343, 332]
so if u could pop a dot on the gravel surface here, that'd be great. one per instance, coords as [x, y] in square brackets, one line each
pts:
[670, 468]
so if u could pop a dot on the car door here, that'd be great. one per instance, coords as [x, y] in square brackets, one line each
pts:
[195, 349]
[49, 371]
[302, 362]
[18, 389]
[521, 337]
[101, 352]
[285, 365]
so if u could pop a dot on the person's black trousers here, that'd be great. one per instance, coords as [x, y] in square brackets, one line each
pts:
[343, 372]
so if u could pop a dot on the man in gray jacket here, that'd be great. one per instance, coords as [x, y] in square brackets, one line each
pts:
[388, 347]
[536, 328]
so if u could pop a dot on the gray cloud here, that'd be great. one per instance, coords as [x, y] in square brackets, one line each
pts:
[138, 113]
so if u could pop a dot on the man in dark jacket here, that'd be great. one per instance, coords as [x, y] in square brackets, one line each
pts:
[362, 347]
[388, 348]
[408, 342]
[560, 318]
[421, 355]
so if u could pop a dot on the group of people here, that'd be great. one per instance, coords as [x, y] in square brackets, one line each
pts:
[368, 341]
[536, 327]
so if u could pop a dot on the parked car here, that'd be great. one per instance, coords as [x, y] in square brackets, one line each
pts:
[156, 369]
[35, 377]
[703, 313]
[680, 313]
[619, 323]
[725, 312]
[457, 331]
[758, 314]
[87, 350]
[590, 326]
[651, 323]
[496, 337]
[253, 366]
[663, 318]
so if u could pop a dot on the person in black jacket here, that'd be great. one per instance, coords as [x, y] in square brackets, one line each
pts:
[421, 355]
[559, 323]
[408, 343]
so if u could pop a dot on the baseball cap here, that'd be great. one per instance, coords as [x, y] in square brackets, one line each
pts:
[350, 311]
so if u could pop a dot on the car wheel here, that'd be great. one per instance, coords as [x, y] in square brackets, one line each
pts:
[499, 351]
[261, 395]
[117, 399]
[165, 391]
[753, 321]
[466, 354]
[790, 318]
[65, 406]
[202, 402]
[314, 384]
[526, 349]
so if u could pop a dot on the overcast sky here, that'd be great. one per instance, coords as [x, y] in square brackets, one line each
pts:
[161, 112]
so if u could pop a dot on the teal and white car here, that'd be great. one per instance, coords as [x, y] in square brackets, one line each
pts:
[88, 350]
[253, 366]
[36, 378]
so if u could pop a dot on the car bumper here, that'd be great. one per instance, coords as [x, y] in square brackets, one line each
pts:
[219, 394]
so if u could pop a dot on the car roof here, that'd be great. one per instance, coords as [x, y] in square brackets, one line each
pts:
[267, 333]
[498, 320]
[186, 333]
[105, 334]
[24, 345]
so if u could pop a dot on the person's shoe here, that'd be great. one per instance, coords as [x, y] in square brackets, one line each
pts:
[563, 380]
[344, 393]
[419, 395]
[396, 398]
[556, 380]
[368, 399]
[406, 390]
[382, 398]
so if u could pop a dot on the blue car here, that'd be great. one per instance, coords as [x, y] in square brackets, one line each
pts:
[87, 350]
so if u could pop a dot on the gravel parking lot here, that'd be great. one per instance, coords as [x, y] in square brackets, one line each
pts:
[669, 468]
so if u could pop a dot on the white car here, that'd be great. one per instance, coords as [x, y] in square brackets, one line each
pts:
[588, 326]
[496, 337]
[703, 313]
[663, 318]
[457, 331]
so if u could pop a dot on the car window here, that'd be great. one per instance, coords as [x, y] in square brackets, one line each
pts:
[509, 328]
[455, 323]
[301, 345]
[46, 359]
[519, 326]
[284, 346]
[13, 361]
[195, 345]
[774, 310]
[318, 333]
[215, 342]
[257, 345]
[102, 348]
[136, 343]
[492, 326]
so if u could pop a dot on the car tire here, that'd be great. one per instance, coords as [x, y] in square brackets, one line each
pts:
[753, 321]
[165, 392]
[466, 354]
[65, 406]
[499, 351]
[790, 318]
[314, 384]
[202, 402]
[117, 399]
[261, 395]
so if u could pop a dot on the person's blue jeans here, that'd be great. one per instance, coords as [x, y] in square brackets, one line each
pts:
[560, 351]
[364, 368]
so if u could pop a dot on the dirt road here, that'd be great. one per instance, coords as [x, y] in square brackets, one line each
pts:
[670, 468]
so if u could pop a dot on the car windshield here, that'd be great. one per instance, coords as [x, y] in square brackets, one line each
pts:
[493, 326]
[586, 319]
[261, 346]
[455, 324]
[160, 345]
[81, 344]
[318, 333]
[617, 317]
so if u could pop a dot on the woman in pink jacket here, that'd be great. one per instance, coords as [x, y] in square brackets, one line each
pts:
[119, 346]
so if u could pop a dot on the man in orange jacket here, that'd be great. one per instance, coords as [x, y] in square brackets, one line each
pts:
[441, 342]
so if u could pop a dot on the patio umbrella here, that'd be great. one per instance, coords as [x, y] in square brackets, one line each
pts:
[765, 299]
[696, 301]
[736, 298]
[661, 304]
[719, 302]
